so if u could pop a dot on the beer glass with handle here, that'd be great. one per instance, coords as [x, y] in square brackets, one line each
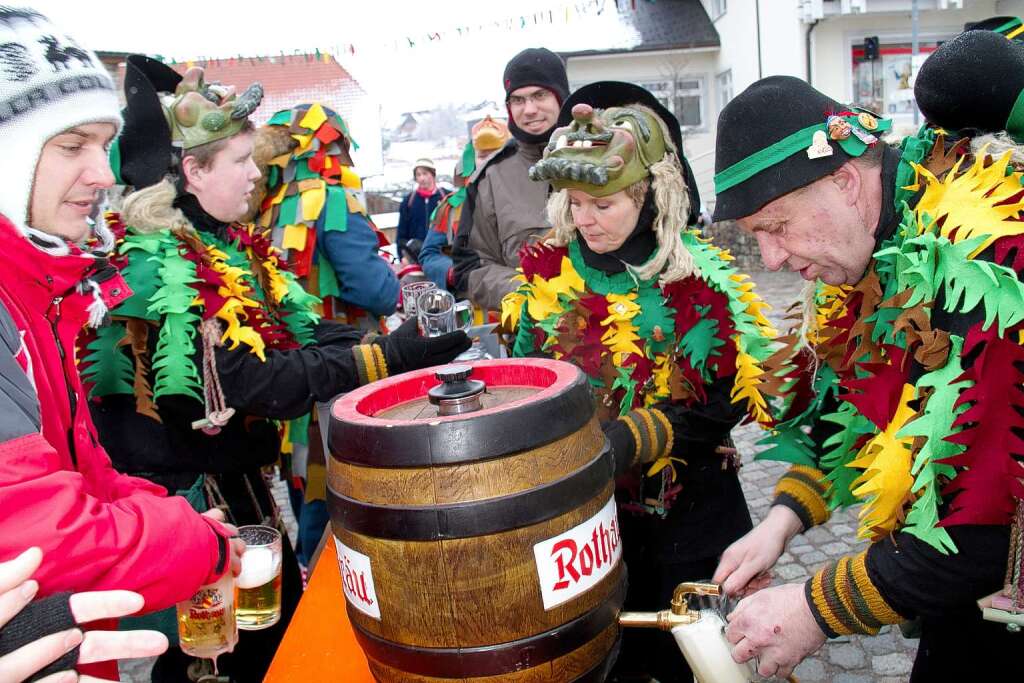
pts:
[206, 621]
[258, 603]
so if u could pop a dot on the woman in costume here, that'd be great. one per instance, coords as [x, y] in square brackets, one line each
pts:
[218, 355]
[669, 335]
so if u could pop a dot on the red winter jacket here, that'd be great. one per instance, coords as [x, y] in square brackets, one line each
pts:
[98, 529]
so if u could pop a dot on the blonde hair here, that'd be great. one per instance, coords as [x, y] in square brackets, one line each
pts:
[997, 145]
[672, 261]
[151, 209]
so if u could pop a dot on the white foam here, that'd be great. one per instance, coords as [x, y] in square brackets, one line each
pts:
[259, 566]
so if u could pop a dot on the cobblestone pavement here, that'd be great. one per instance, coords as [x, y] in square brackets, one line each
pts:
[886, 658]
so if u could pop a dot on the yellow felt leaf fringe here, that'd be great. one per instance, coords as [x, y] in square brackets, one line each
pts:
[886, 481]
[745, 387]
[972, 203]
[545, 292]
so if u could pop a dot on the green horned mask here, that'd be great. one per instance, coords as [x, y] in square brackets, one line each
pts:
[602, 151]
[198, 112]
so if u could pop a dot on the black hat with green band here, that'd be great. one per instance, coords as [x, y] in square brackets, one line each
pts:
[974, 83]
[1011, 27]
[779, 135]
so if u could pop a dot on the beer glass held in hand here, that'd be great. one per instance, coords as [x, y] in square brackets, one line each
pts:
[206, 621]
[259, 585]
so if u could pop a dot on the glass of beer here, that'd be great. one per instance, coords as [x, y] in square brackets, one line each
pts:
[258, 603]
[206, 621]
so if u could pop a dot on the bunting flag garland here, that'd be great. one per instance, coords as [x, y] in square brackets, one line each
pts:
[929, 415]
[565, 13]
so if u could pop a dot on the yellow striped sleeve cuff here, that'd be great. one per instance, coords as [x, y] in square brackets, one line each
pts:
[802, 490]
[370, 363]
[844, 601]
[652, 433]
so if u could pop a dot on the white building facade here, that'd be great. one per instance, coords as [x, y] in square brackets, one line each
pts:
[822, 41]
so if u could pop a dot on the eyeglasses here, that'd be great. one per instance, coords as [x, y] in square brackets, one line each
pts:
[538, 96]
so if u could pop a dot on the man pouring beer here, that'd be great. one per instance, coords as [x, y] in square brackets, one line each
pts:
[907, 373]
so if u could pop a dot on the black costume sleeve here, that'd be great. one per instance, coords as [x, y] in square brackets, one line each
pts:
[689, 432]
[287, 383]
[919, 581]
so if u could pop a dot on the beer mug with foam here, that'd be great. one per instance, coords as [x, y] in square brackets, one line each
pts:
[259, 585]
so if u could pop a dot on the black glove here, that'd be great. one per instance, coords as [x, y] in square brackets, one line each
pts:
[404, 352]
[38, 619]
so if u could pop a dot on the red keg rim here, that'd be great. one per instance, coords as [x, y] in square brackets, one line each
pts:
[362, 405]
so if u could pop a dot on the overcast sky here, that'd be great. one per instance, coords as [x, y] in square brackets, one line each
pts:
[450, 68]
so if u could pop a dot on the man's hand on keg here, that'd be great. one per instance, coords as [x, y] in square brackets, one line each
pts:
[776, 626]
[744, 567]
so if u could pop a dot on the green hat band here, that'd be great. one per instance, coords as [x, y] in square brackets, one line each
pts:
[1007, 29]
[854, 144]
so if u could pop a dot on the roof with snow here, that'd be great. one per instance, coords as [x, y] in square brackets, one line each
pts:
[664, 25]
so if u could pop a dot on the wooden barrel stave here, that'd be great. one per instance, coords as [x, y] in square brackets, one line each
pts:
[475, 573]
[569, 667]
[474, 481]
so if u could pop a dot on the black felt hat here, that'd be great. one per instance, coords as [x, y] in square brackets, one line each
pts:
[144, 146]
[606, 94]
[972, 82]
[1007, 26]
[765, 113]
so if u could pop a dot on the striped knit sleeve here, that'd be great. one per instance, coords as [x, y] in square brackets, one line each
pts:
[844, 601]
[370, 363]
[802, 490]
[652, 433]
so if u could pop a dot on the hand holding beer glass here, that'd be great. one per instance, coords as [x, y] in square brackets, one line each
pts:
[259, 584]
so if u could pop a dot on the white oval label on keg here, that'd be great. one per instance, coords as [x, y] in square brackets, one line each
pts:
[575, 561]
[357, 580]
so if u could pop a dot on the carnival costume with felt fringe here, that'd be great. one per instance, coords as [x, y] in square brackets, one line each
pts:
[911, 401]
[219, 355]
[670, 336]
[310, 181]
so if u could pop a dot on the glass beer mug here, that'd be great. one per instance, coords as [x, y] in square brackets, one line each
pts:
[206, 621]
[259, 585]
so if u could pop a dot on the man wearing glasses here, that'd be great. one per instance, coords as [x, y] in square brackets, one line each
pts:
[504, 208]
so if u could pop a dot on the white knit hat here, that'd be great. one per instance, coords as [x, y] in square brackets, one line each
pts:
[48, 84]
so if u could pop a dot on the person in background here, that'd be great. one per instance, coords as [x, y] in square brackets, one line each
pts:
[311, 199]
[504, 209]
[416, 208]
[486, 137]
[98, 529]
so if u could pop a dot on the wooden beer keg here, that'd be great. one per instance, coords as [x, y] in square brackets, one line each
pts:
[479, 545]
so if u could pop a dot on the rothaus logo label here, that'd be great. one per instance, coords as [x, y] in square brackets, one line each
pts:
[357, 580]
[574, 562]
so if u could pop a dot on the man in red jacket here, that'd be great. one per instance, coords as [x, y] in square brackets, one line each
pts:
[98, 529]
